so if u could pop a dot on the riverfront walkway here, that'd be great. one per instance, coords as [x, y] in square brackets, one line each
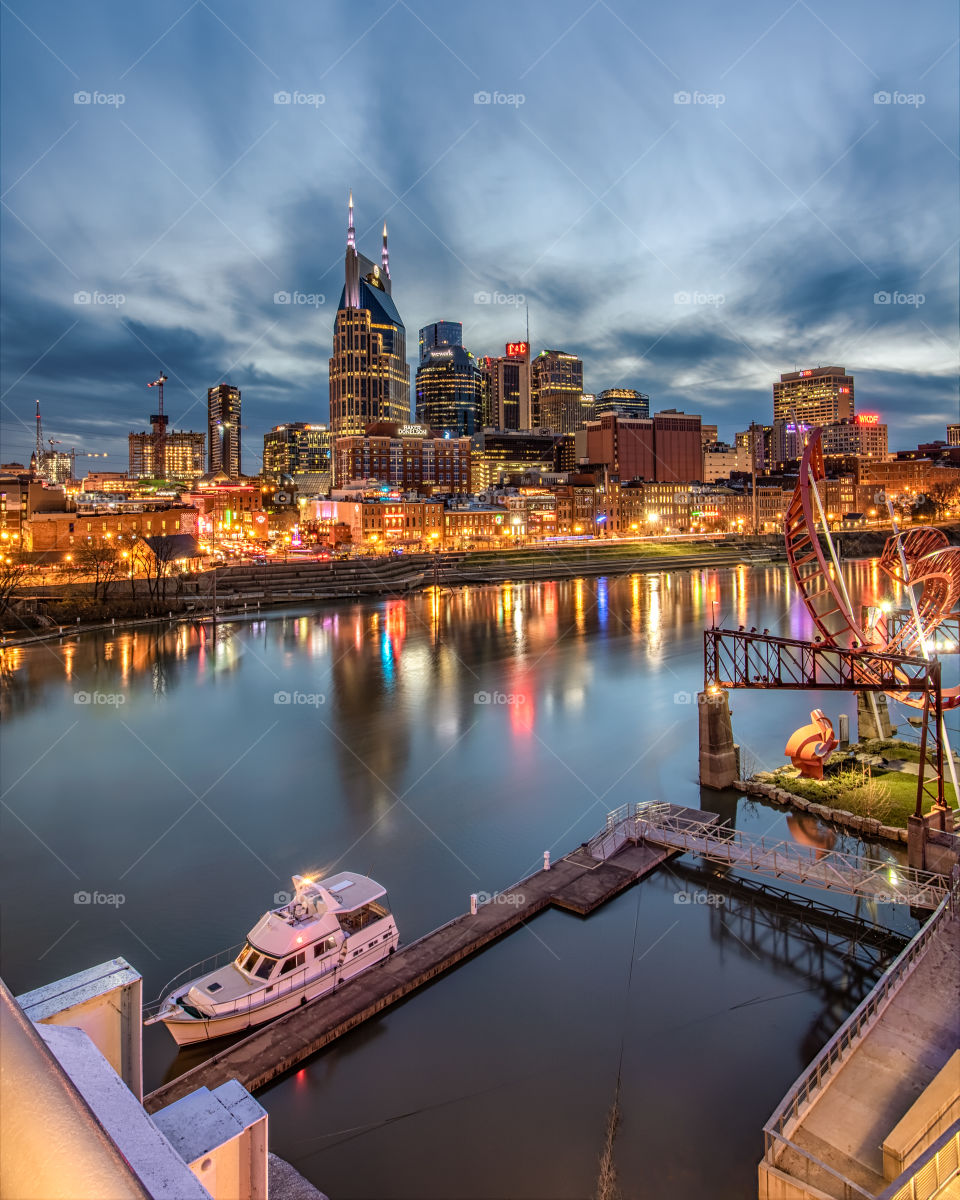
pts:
[826, 1137]
[579, 883]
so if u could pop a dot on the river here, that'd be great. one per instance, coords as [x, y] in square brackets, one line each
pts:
[439, 743]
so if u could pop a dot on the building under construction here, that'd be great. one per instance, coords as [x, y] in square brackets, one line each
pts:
[177, 455]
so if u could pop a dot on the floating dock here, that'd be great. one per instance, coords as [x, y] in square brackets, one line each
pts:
[579, 883]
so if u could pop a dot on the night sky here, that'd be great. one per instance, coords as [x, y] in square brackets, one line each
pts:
[692, 249]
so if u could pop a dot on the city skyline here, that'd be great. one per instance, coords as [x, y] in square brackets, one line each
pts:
[692, 247]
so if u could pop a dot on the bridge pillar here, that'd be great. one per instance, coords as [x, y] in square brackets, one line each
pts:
[926, 851]
[867, 730]
[718, 754]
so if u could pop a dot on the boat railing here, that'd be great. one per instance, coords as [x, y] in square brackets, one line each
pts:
[213, 963]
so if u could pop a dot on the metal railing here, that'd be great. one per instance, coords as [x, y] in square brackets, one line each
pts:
[811, 1082]
[212, 963]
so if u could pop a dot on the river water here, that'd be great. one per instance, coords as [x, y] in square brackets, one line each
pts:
[441, 744]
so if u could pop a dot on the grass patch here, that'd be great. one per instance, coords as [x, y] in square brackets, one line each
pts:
[613, 550]
[886, 796]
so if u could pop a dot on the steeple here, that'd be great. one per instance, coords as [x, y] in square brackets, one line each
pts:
[384, 253]
[351, 266]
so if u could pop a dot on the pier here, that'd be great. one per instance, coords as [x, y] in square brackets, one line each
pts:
[579, 883]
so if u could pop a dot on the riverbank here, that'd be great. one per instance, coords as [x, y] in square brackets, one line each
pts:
[236, 590]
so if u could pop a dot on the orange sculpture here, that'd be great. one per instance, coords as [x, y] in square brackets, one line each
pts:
[811, 745]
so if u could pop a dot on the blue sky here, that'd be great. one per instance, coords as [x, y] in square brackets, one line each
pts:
[692, 197]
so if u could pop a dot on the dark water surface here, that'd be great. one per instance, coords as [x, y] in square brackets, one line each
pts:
[440, 744]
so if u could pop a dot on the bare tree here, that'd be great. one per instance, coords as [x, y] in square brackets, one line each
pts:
[97, 559]
[13, 571]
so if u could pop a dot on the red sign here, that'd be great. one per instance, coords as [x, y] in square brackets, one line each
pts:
[518, 349]
[868, 418]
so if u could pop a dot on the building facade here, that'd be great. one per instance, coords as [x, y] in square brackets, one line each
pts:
[665, 447]
[408, 457]
[499, 451]
[440, 333]
[369, 375]
[864, 435]
[174, 455]
[820, 396]
[294, 447]
[223, 429]
[556, 391]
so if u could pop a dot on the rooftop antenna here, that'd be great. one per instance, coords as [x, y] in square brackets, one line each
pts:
[528, 327]
[38, 451]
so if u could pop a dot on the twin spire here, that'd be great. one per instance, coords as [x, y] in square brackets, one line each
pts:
[352, 238]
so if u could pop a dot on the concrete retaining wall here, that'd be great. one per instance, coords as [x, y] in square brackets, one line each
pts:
[868, 826]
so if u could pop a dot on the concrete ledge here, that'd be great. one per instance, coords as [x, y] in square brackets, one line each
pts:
[936, 1109]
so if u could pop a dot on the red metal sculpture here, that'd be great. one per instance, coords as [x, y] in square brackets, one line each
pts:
[811, 745]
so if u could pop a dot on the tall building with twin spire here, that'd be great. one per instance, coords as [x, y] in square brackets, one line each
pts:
[369, 375]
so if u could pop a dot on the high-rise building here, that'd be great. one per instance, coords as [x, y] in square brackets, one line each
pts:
[369, 375]
[953, 435]
[864, 436]
[296, 447]
[508, 384]
[556, 391]
[449, 390]
[178, 454]
[625, 402]
[817, 397]
[440, 333]
[498, 451]
[223, 429]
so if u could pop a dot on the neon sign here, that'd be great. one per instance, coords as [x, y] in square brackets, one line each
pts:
[518, 349]
[868, 418]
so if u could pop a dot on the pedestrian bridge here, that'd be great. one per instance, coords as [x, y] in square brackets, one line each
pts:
[690, 831]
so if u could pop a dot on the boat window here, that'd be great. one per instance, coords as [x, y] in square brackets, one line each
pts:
[247, 957]
[324, 946]
[214, 987]
[294, 961]
[266, 966]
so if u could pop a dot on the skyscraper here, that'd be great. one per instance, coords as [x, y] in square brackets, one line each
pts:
[369, 376]
[223, 428]
[449, 384]
[817, 397]
[440, 333]
[625, 402]
[508, 388]
[556, 391]
[296, 447]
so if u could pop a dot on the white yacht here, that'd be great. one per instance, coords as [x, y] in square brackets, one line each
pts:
[332, 930]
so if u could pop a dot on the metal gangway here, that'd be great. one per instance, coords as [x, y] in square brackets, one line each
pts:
[691, 831]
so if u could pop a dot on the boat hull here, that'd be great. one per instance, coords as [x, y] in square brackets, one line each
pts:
[187, 1030]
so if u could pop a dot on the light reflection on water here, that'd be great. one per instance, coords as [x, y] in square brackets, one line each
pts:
[451, 737]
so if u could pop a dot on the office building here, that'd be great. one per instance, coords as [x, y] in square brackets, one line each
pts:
[508, 401]
[499, 452]
[625, 402]
[369, 375]
[820, 396]
[408, 457]
[296, 447]
[953, 435]
[440, 333]
[664, 448]
[556, 391]
[865, 436]
[449, 386]
[223, 429]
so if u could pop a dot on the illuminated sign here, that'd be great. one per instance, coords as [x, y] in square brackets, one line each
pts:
[868, 418]
[518, 349]
[414, 431]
